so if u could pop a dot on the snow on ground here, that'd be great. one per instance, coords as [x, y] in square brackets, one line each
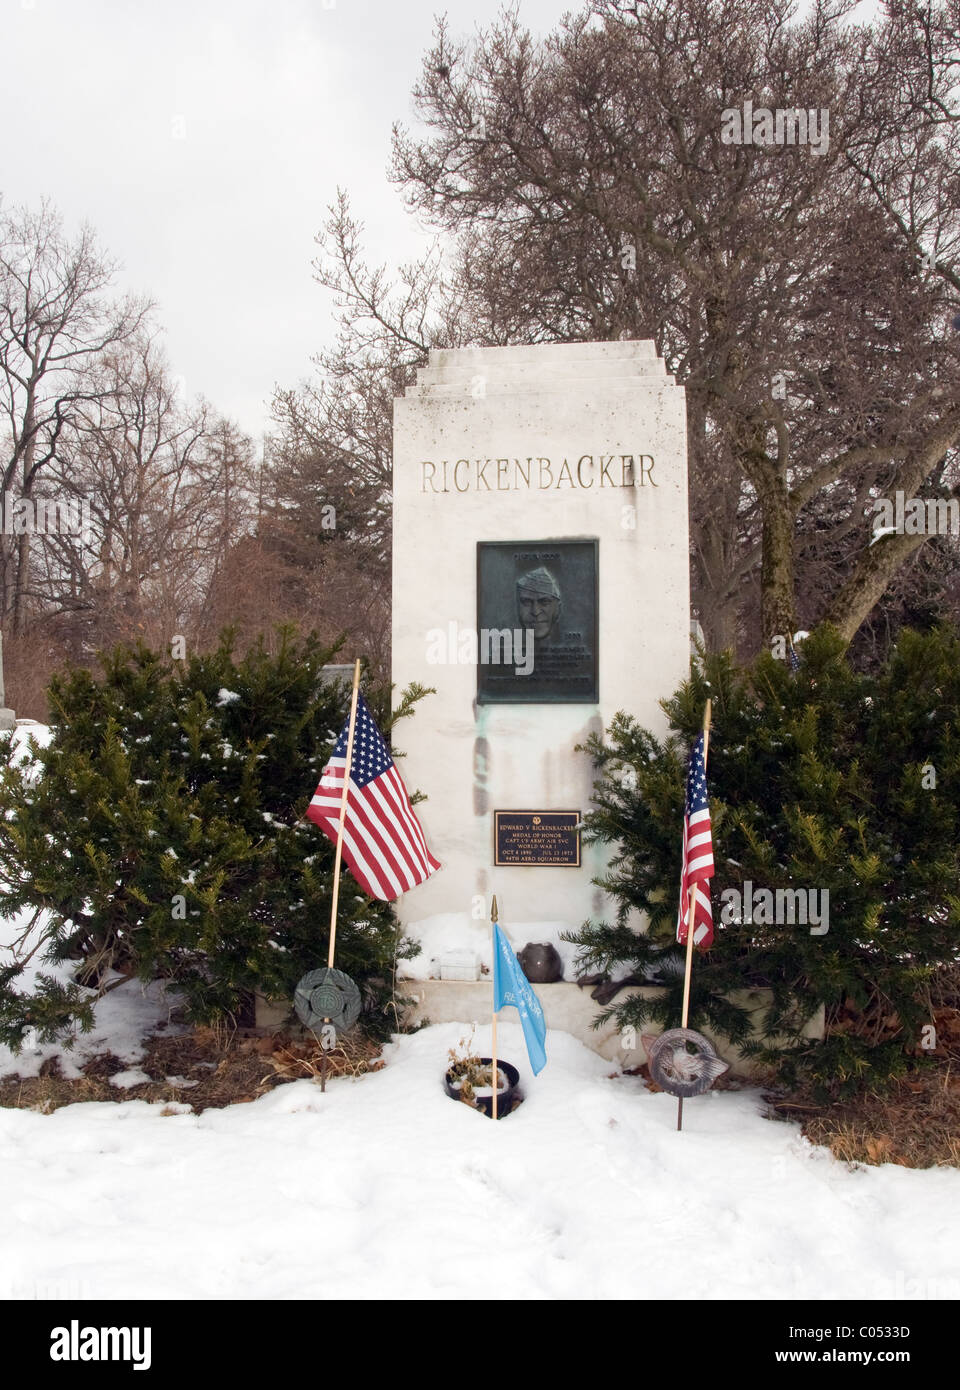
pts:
[123, 1017]
[385, 1188]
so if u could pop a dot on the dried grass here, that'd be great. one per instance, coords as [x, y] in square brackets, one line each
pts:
[916, 1123]
[225, 1065]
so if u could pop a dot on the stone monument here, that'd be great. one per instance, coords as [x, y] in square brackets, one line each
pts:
[540, 583]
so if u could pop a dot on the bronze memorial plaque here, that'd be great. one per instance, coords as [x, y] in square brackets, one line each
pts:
[537, 622]
[537, 839]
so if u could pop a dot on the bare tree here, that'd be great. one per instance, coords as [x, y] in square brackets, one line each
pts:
[802, 295]
[170, 489]
[335, 433]
[56, 320]
[332, 451]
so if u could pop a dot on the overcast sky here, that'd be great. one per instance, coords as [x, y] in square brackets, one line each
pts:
[203, 139]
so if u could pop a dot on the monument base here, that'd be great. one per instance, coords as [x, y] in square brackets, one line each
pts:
[565, 1006]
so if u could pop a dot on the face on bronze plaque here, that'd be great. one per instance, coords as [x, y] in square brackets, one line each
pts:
[537, 622]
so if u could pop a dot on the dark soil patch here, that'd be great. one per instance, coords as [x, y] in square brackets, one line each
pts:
[104, 1065]
[206, 1068]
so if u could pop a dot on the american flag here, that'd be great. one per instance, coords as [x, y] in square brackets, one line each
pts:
[383, 844]
[794, 659]
[697, 854]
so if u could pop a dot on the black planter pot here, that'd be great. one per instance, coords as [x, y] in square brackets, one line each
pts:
[505, 1099]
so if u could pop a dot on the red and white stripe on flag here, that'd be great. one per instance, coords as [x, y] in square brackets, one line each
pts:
[697, 867]
[383, 842]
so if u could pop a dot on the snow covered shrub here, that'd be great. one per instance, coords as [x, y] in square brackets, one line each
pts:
[820, 780]
[161, 834]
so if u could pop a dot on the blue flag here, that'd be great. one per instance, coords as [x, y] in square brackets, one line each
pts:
[511, 986]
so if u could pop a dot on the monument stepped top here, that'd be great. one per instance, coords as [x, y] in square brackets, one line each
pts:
[620, 365]
[617, 347]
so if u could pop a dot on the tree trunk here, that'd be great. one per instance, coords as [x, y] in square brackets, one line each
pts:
[856, 599]
[778, 604]
[22, 544]
[23, 579]
[778, 610]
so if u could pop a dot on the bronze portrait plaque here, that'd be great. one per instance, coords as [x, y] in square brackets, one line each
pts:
[537, 839]
[537, 622]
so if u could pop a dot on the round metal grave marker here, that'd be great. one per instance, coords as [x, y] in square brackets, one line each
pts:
[324, 995]
[680, 1072]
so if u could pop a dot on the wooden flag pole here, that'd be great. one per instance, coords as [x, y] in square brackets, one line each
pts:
[336, 865]
[691, 916]
[343, 813]
[493, 1029]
